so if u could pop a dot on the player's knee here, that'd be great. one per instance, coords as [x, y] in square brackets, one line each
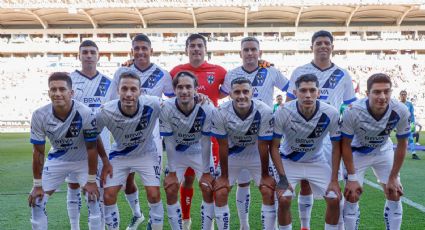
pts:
[73, 185]
[207, 190]
[109, 197]
[172, 189]
[153, 194]
[267, 194]
[221, 196]
[332, 203]
[285, 202]
[352, 199]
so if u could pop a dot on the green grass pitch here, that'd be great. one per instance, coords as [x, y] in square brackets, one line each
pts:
[16, 182]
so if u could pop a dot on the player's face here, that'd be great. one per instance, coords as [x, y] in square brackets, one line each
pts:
[60, 93]
[89, 55]
[250, 53]
[185, 90]
[129, 91]
[279, 100]
[379, 95]
[322, 48]
[141, 52]
[307, 94]
[241, 95]
[196, 50]
[403, 96]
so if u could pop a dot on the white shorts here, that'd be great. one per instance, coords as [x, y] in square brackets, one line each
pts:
[55, 172]
[251, 166]
[381, 165]
[184, 161]
[147, 166]
[244, 176]
[327, 152]
[318, 174]
[72, 178]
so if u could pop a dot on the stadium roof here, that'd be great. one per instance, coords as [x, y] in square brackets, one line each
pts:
[205, 13]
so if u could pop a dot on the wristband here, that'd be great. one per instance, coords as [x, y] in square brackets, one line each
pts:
[352, 177]
[91, 179]
[36, 182]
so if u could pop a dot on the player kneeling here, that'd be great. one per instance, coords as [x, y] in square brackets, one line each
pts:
[304, 123]
[185, 126]
[366, 128]
[243, 128]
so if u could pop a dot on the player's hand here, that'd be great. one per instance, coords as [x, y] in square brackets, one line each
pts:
[92, 192]
[264, 64]
[202, 98]
[393, 188]
[334, 187]
[206, 182]
[268, 181]
[171, 180]
[283, 188]
[128, 63]
[352, 191]
[36, 193]
[221, 182]
[106, 170]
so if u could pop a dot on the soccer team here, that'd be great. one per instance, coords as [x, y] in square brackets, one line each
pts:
[243, 139]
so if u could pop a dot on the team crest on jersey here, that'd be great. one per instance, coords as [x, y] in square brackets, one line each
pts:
[334, 79]
[103, 87]
[153, 79]
[392, 122]
[75, 126]
[260, 77]
[255, 125]
[210, 79]
[198, 122]
[146, 117]
[321, 126]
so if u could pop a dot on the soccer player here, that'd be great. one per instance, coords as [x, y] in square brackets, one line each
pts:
[305, 123]
[185, 126]
[92, 89]
[244, 129]
[70, 127]
[366, 129]
[409, 105]
[131, 120]
[210, 77]
[336, 87]
[279, 100]
[154, 81]
[263, 81]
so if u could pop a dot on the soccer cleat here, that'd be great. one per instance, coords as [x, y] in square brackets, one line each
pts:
[415, 157]
[187, 224]
[305, 229]
[135, 222]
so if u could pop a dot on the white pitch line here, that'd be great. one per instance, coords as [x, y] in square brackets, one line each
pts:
[403, 199]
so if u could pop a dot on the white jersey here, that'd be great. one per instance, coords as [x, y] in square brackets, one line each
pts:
[186, 130]
[335, 83]
[263, 82]
[67, 137]
[371, 136]
[93, 92]
[303, 138]
[132, 135]
[154, 81]
[243, 134]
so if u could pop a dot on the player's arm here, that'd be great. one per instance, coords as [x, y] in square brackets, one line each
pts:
[223, 151]
[336, 160]
[399, 154]
[170, 179]
[353, 189]
[91, 186]
[107, 167]
[283, 184]
[206, 179]
[37, 169]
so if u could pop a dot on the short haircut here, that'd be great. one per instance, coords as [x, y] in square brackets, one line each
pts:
[60, 76]
[278, 96]
[378, 78]
[129, 74]
[88, 43]
[250, 39]
[306, 78]
[185, 74]
[240, 80]
[194, 37]
[141, 38]
[322, 33]
[403, 91]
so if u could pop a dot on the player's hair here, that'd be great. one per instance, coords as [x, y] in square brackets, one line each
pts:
[250, 39]
[141, 38]
[194, 37]
[240, 80]
[129, 74]
[185, 74]
[403, 91]
[278, 96]
[60, 76]
[322, 33]
[378, 78]
[87, 43]
[306, 78]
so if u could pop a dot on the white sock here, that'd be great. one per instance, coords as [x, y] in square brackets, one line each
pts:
[133, 201]
[268, 216]
[207, 215]
[156, 215]
[94, 214]
[243, 199]
[112, 217]
[351, 215]
[39, 214]
[305, 205]
[174, 212]
[73, 205]
[331, 226]
[286, 227]
[393, 213]
[222, 216]
[341, 225]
